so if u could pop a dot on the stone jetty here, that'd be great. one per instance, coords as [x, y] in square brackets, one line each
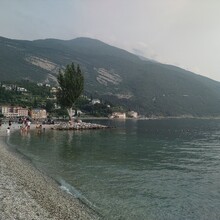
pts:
[78, 126]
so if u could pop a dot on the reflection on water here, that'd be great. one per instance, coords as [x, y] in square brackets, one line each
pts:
[162, 169]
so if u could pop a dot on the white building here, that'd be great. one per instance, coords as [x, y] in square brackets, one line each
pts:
[96, 101]
[21, 89]
[7, 87]
[54, 90]
[132, 114]
[119, 115]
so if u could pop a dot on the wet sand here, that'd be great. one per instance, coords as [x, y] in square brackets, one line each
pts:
[26, 193]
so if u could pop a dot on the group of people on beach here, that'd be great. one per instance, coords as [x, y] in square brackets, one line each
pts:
[26, 125]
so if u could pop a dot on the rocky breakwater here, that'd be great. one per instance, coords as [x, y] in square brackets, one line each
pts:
[79, 126]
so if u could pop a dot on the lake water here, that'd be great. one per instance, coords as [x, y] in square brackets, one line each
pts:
[141, 169]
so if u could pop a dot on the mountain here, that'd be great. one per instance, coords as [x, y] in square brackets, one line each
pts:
[149, 87]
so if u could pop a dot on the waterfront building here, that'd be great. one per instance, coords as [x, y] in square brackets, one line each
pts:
[119, 115]
[38, 114]
[132, 114]
[14, 111]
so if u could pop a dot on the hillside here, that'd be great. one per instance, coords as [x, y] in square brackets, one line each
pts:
[148, 87]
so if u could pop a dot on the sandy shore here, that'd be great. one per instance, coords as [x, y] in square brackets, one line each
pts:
[26, 193]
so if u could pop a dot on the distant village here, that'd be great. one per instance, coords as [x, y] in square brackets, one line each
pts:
[9, 111]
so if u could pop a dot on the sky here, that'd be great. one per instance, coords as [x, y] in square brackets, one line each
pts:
[185, 33]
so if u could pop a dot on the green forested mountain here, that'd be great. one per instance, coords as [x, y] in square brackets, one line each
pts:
[112, 74]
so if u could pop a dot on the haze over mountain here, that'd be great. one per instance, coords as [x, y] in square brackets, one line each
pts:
[113, 74]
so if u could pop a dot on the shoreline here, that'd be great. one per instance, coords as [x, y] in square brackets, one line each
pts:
[155, 118]
[28, 193]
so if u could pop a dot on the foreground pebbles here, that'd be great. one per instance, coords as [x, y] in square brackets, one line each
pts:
[26, 193]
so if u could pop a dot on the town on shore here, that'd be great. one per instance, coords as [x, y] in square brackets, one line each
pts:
[39, 103]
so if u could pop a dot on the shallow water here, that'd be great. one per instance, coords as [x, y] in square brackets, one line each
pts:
[142, 169]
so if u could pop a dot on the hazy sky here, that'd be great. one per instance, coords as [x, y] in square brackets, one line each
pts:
[185, 33]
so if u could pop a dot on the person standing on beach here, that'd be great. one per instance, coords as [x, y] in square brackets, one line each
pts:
[8, 130]
[28, 125]
[39, 128]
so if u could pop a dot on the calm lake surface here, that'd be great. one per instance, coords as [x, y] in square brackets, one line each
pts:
[142, 169]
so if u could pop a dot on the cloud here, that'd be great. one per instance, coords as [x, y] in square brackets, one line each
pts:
[138, 52]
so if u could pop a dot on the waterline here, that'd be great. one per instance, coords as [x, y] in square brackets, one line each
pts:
[166, 169]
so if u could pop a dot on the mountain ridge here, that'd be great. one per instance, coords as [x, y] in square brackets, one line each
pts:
[111, 73]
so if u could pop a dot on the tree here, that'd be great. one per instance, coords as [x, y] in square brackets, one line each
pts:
[49, 106]
[71, 83]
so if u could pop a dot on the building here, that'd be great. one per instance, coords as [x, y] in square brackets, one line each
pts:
[14, 111]
[119, 115]
[38, 114]
[54, 90]
[14, 87]
[7, 87]
[21, 89]
[96, 101]
[22, 112]
[132, 114]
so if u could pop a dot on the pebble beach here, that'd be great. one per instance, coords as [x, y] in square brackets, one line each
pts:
[27, 193]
